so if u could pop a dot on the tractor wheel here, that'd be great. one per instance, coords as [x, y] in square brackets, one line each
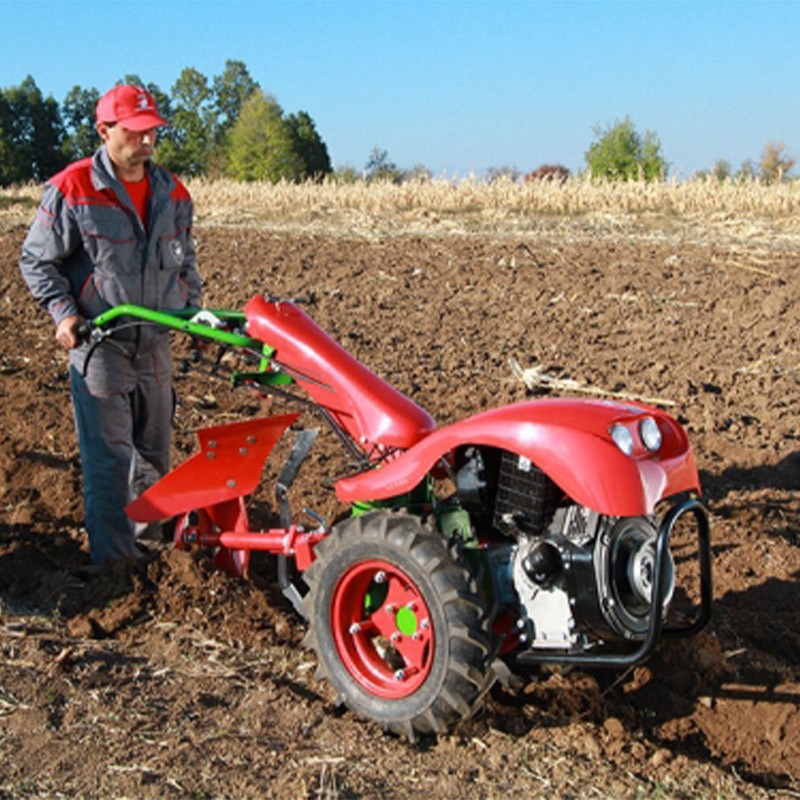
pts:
[398, 624]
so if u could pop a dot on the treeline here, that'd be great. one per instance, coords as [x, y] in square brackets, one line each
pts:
[226, 126]
[229, 126]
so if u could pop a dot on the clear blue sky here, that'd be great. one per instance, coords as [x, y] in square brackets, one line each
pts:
[456, 85]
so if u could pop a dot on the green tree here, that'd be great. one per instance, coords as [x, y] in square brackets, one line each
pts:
[261, 143]
[78, 115]
[232, 90]
[7, 147]
[722, 170]
[187, 148]
[775, 164]
[309, 146]
[380, 167]
[32, 134]
[620, 152]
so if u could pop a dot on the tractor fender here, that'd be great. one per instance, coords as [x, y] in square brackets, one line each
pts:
[568, 439]
[228, 466]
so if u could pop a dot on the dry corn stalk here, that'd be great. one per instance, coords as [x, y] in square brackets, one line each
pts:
[535, 377]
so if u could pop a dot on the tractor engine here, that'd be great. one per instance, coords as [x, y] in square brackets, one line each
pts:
[572, 578]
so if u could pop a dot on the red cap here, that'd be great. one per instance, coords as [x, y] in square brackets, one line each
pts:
[130, 106]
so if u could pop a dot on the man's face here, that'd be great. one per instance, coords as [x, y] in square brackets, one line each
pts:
[129, 150]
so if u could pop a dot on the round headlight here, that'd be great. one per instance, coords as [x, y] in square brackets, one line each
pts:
[622, 438]
[650, 433]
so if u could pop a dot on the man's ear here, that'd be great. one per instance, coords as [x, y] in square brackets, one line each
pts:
[102, 129]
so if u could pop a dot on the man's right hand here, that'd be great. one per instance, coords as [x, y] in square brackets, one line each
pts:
[67, 331]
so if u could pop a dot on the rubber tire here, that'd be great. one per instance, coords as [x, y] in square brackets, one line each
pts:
[460, 672]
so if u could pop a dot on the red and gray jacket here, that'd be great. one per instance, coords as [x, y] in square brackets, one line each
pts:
[87, 249]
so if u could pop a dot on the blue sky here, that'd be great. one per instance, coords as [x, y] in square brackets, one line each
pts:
[456, 85]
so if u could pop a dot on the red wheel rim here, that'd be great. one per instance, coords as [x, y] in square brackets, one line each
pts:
[382, 629]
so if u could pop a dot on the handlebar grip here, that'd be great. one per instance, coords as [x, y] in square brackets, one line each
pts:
[84, 331]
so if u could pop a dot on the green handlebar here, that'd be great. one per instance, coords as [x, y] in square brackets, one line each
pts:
[267, 374]
[180, 320]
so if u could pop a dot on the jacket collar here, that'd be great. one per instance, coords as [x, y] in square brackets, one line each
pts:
[104, 177]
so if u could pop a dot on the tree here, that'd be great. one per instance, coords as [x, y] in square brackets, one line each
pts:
[261, 143]
[188, 147]
[78, 114]
[309, 146]
[775, 164]
[32, 134]
[621, 153]
[721, 170]
[7, 145]
[232, 90]
[747, 171]
[379, 167]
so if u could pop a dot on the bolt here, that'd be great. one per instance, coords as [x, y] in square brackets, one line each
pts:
[354, 629]
[251, 439]
[412, 606]
[425, 624]
[400, 675]
[395, 637]
[389, 608]
[231, 483]
[242, 451]
[380, 577]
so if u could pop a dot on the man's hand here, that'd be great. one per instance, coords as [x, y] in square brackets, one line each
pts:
[67, 331]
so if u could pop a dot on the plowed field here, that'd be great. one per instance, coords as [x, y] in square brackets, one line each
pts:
[167, 679]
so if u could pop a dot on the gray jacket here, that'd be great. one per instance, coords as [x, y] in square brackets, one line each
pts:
[87, 250]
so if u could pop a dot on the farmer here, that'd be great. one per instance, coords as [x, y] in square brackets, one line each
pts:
[116, 228]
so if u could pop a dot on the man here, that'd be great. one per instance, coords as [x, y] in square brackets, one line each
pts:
[116, 228]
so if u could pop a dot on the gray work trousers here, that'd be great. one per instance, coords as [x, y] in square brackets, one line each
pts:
[123, 417]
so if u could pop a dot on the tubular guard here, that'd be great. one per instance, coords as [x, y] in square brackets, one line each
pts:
[228, 466]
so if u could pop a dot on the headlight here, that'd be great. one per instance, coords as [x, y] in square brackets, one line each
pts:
[650, 433]
[622, 438]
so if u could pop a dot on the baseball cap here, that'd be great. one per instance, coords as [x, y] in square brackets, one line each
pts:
[130, 106]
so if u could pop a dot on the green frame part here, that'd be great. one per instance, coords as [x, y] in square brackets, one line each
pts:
[419, 501]
[181, 320]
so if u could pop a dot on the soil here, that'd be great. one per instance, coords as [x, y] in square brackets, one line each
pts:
[167, 678]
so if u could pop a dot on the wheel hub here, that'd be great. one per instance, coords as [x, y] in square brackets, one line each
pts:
[382, 629]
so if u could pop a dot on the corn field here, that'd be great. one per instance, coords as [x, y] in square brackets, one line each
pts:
[700, 208]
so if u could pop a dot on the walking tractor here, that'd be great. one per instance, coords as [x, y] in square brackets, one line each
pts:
[550, 542]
